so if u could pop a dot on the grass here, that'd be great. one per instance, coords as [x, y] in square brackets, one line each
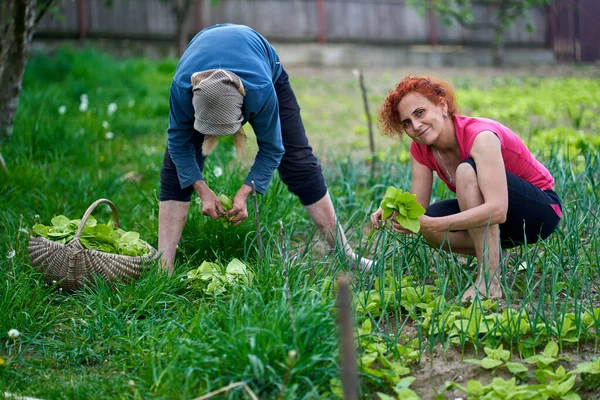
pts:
[158, 338]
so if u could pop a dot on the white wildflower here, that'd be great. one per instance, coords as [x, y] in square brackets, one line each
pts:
[109, 135]
[218, 171]
[11, 254]
[131, 103]
[83, 106]
[112, 107]
[14, 334]
[131, 382]
[36, 216]
[62, 110]
[105, 124]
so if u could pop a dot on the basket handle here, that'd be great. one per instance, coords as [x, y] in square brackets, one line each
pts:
[89, 211]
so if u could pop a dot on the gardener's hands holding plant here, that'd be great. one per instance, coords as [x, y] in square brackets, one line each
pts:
[378, 222]
[212, 206]
[239, 211]
[402, 209]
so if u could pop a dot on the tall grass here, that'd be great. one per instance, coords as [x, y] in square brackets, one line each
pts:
[157, 338]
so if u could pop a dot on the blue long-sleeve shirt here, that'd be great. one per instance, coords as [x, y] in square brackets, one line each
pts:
[246, 53]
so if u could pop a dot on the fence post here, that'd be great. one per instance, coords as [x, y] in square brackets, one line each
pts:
[321, 24]
[197, 16]
[432, 24]
[81, 20]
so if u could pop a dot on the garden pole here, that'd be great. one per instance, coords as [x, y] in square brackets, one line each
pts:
[256, 220]
[347, 350]
[288, 290]
[359, 75]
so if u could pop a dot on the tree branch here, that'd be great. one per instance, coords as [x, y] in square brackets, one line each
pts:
[43, 11]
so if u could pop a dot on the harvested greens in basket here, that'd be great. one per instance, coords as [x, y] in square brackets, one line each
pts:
[95, 236]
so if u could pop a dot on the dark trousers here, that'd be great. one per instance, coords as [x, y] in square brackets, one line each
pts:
[299, 168]
[530, 213]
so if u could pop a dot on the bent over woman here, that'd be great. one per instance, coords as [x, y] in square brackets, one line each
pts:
[229, 75]
[504, 196]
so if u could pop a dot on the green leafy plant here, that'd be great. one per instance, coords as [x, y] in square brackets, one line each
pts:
[212, 279]
[546, 357]
[498, 389]
[406, 207]
[227, 204]
[589, 373]
[94, 236]
[497, 358]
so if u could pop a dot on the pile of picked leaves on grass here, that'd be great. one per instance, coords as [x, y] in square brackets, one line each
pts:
[213, 279]
[94, 236]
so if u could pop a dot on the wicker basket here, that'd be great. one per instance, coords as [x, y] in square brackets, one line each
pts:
[71, 265]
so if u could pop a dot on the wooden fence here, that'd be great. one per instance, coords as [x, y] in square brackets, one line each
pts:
[575, 30]
[351, 21]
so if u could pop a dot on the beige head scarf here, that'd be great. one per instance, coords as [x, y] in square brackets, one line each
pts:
[217, 98]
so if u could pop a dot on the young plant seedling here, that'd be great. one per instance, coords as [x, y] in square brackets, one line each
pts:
[227, 205]
[406, 207]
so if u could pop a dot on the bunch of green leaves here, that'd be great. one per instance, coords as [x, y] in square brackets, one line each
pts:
[406, 207]
[94, 236]
[213, 279]
[227, 205]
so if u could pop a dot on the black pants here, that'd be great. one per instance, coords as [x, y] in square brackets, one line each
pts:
[530, 214]
[299, 169]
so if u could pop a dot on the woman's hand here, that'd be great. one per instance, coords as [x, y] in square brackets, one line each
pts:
[211, 205]
[376, 217]
[239, 211]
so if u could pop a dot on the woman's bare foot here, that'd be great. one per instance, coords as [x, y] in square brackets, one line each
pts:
[490, 290]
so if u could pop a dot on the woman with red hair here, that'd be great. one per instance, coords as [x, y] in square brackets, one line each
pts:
[504, 196]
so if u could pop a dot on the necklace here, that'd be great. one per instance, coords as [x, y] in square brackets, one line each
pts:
[450, 179]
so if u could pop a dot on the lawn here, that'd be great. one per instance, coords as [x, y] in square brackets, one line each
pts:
[91, 127]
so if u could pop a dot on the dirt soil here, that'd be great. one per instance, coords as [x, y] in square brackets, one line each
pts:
[437, 368]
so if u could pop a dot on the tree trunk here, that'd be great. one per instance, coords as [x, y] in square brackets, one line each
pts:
[13, 58]
[498, 44]
[182, 18]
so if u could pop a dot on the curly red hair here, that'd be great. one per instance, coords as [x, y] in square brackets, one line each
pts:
[434, 90]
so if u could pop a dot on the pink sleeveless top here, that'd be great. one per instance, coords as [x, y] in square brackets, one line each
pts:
[517, 157]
